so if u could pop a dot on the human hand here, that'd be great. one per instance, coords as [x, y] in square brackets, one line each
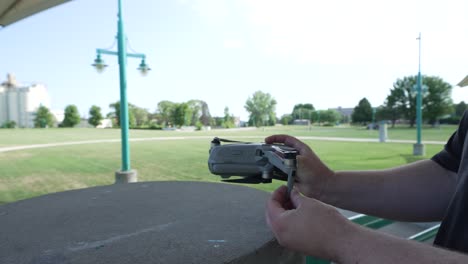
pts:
[306, 225]
[312, 174]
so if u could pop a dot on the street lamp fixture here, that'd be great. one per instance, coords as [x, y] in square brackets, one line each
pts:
[125, 174]
[143, 68]
[99, 64]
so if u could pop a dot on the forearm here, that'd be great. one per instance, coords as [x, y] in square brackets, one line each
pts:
[419, 191]
[368, 246]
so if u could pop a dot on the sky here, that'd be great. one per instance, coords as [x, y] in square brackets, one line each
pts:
[328, 53]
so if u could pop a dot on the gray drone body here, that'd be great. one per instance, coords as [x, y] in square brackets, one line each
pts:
[253, 162]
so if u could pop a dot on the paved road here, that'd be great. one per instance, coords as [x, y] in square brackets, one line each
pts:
[343, 139]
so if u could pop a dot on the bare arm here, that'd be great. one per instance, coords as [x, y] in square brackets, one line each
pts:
[369, 246]
[317, 229]
[420, 191]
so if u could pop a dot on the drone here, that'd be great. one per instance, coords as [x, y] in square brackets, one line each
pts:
[254, 162]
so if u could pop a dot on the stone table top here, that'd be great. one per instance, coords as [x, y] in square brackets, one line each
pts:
[146, 222]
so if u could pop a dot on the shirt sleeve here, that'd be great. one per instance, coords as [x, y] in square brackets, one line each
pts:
[450, 156]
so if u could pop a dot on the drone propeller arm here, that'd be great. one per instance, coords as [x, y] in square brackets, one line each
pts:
[287, 166]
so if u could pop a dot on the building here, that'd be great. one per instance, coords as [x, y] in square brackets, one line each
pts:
[105, 123]
[346, 113]
[20, 103]
[301, 122]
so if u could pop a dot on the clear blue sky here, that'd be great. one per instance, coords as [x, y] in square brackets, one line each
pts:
[328, 53]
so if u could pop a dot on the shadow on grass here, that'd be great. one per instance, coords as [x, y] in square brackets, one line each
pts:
[412, 158]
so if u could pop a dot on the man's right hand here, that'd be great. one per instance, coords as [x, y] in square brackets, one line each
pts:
[312, 174]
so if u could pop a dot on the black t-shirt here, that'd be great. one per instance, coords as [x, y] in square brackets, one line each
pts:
[453, 232]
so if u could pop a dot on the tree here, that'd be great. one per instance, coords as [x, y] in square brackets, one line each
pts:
[329, 116]
[315, 117]
[228, 119]
[460, 108]
[196, 113]
[394, 107]
[72, 116]
[362, 112]
[344, 119]
[141, 116]
[181, 114]
[403, 98]
[261, 107]
[43, 118]
[8, 124]
[286, 119]
[436, 100]
[455, 117]
[195, 110]
[95, 116]
[166, 112]
[303, 111]
[205, 117]
[188, 115]
[200, 112]
[116, 114]
[385, 113]
[217, 121]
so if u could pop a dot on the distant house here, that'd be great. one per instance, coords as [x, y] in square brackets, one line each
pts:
[301, 122]
[19, 103]
[105, 123]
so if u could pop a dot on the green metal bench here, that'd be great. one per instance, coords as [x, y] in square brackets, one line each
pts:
[376, 223]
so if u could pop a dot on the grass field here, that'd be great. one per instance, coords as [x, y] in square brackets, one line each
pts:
[33, 172]
[13, 137]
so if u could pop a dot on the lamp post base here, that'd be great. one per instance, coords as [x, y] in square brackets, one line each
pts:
[419, 150]
[126, 176]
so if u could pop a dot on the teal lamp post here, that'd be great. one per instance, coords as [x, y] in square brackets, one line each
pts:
[418, 148]
[125, 174]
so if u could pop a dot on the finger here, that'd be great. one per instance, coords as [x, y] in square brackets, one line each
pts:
[275, 139]
[280, 194]
[289, 141]
[275, 206]
[296, 198]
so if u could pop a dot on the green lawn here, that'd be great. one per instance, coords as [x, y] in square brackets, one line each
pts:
[33, 172]
[400, 132]
[11, 137]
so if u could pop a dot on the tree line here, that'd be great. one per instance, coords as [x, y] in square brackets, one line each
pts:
[400, 104]
[168, 114]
